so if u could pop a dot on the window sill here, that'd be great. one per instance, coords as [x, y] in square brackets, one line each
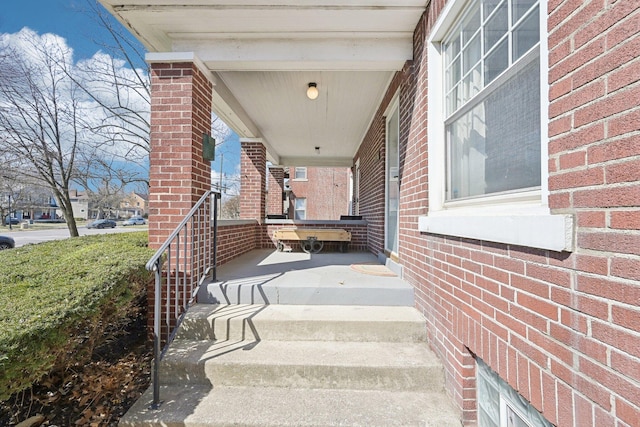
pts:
[542, 231]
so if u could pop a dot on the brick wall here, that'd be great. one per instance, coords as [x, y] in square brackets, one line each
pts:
[253, 185]
[275, 201]
[178, 175]
[594, 172]
[326, 191]
[563, 329]
[236, 238]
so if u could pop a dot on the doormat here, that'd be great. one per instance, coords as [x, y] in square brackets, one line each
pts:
[373, 269]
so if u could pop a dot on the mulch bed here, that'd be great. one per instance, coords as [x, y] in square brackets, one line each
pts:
[97, 393]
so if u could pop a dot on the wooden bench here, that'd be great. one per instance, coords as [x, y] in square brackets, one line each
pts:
[312, 239]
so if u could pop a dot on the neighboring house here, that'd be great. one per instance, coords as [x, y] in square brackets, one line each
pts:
[312, 193]
[496, 157]
[29, 202]
[83, 208]
[135, 204]
[79, 204]
[44, 207]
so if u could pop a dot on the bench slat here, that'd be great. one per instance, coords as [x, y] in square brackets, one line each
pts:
[323, 234]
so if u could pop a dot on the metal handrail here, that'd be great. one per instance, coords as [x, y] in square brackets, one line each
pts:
[189, 251]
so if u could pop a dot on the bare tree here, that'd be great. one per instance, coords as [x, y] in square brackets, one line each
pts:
[231, 208]
[41, 114]
[105, 180]
[106, 200]
[103, 151]
[219, 130]
[117, 81]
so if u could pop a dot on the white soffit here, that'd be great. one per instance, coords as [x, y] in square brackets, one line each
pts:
[265, 52]
[280, 109]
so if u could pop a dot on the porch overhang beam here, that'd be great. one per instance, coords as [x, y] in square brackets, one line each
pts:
[333, 51]
[225, 32]
[328, 162]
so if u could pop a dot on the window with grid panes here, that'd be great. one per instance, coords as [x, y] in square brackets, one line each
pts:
[301, 208]
[492, 100]
[300, 173]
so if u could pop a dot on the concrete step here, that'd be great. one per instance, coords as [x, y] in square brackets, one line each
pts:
[304, 364]
[202, 406]
[303, 323]
[263, 291]
[299, 365]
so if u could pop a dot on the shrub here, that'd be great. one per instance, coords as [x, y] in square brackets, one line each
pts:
[56, 297]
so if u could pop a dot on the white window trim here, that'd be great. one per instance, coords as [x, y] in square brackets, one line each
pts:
[504, 418]
[296, 209]
[305, 174]
[523, 218]
[393, 106]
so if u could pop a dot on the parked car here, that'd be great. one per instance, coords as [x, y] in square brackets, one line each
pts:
[102, 223]
[14, 221]
[135, 220]
[7, 242]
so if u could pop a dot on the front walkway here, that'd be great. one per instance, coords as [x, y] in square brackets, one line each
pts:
[269, 277]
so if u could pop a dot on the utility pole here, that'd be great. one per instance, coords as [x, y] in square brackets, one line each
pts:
[10, 225]
[221, 160]
[9, 201]
[219, 201]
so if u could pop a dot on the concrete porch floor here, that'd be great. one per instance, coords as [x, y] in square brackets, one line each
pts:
[266, 276]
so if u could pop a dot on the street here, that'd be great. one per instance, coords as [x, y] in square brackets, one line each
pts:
[24, 237]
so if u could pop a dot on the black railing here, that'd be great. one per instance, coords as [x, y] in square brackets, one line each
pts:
[182, 264]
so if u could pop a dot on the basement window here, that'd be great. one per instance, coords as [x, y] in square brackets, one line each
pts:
[499, 405]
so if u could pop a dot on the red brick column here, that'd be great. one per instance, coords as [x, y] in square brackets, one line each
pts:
[253, 184]
[276, 187]
[180, 114]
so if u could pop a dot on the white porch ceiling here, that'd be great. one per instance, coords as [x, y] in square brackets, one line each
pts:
[261, 54]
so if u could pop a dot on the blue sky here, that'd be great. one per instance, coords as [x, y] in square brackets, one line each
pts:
[67, 18]
[72, 20]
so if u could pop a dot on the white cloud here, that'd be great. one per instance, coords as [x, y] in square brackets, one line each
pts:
[30, 44]
[116, 115]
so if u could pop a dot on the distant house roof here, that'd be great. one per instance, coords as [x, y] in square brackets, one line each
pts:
[79, 195]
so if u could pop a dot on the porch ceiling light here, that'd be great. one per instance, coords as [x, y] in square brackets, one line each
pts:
[312, 91]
